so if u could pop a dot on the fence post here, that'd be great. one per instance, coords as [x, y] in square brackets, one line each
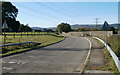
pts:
[14, 34]
[21, 34]
[27, 33]
[31, 33]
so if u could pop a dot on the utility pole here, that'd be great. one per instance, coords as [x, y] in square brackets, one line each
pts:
[96, 21]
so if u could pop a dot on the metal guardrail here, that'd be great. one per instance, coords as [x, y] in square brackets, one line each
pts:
[114, 56]
[13, 44]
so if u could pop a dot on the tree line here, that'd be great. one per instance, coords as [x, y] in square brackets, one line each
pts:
[64, 27]
[9, 14]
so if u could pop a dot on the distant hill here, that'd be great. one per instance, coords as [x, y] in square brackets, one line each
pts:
[93, 26]
[53, 28]
[117, 26]
[86, 26]
[75, 26]
[39, 28]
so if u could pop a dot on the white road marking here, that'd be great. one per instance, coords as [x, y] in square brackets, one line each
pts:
[7, 68]
[11, 62]
[87, 58]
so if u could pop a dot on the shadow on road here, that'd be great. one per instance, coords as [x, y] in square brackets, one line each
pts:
[63, 49]
[94, 48]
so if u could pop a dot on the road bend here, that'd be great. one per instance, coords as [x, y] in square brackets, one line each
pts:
[64, 57]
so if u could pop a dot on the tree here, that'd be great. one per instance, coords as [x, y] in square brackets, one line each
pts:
[50, 30]
[9, 14]
[64, 27]
[14, 25]
[113, 29]
[27, 28]
[24, 28]
[8, 11]
[45, 30]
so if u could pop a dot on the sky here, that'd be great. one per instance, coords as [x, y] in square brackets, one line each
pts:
[50, 14]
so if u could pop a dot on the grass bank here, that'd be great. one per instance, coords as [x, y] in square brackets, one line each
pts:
[43, 39]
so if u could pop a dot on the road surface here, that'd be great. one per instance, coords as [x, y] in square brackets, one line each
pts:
[65, 57]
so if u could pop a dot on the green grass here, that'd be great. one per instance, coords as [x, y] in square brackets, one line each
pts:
[109, 63]
[26, 32]
[44, 39]
[25, 38]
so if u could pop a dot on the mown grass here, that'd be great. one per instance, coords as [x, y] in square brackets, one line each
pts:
[35, 37]
[43, 38]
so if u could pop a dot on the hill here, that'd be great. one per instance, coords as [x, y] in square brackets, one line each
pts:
[75, 26]
[117, 26]
[42, 29]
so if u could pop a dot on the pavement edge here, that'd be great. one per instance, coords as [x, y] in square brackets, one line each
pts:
[87, 58]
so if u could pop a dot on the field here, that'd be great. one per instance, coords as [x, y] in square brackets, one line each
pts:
[41, 37]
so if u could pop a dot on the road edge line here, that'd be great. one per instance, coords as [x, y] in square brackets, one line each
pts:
[88, 56]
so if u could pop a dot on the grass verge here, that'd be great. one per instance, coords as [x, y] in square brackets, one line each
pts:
[43, 39]
[109, 62]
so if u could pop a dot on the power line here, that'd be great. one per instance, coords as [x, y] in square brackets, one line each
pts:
[36, 11]
[35, 16]
[69, 14]
[43, 13]
[53, 9]
[63, 9]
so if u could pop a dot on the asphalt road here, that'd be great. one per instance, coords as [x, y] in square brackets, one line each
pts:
[65, 57]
